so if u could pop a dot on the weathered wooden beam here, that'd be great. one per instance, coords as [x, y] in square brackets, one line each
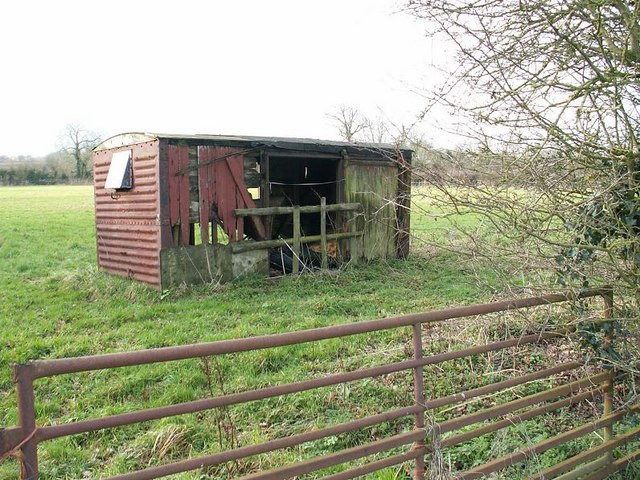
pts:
[296, 240]
[304, 154]
[334, 207]
[323, 233]
[265, 169]
[247, 246]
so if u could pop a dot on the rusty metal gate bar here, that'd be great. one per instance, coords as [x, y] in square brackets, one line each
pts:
[27, 435]
[47, 368]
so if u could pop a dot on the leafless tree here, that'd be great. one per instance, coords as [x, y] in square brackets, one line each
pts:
[350, 123]
[354, 126]
[78, 143]
[551, 93]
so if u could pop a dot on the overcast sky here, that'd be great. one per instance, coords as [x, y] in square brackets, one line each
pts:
[222, 67]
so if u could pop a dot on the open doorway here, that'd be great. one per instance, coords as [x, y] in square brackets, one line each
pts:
[300, 182]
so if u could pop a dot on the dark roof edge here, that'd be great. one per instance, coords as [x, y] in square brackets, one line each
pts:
[304, 144]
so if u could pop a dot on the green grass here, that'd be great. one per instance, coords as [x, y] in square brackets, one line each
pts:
[54, 303]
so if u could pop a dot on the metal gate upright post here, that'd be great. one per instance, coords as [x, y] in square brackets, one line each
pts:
[418, 385]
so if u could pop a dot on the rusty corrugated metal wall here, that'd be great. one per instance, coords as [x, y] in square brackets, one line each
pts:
[127, 223]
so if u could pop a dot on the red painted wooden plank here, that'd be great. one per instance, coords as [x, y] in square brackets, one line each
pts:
[174, 189]
[222, 199]
[205, 214]
[230, 194]
[229, 198]
[211, 176]
[185, 196]
[239, 181]
[221, 183]
[203, 188]
[239, 220]
[214, 201]
[232, 163]
[235, 166]
[211, 183]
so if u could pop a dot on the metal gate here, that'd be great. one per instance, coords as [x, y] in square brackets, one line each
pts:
[420, 442]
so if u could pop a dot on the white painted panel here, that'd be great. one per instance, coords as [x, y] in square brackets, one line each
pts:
[120, 171]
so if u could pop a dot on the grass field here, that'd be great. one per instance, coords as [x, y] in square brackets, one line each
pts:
[54, 303]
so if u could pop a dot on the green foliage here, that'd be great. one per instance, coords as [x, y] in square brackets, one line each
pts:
[596, 340]
[607, 224]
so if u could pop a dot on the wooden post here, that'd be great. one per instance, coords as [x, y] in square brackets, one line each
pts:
[296, 239]
[257, 212]
[323, 233]
[266, 190]
[239, 247]
[353, 227]
[341, 196]
[418, 392]
[403, 206]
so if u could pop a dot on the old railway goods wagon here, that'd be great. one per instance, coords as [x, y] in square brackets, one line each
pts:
[174, 209]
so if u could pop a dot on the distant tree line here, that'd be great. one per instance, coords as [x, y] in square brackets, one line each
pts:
[25, 170]
[70, 164]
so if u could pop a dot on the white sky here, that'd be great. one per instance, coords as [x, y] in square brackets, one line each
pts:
[222, 67]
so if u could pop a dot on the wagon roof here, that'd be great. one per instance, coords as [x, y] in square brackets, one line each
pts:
[300, 144]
